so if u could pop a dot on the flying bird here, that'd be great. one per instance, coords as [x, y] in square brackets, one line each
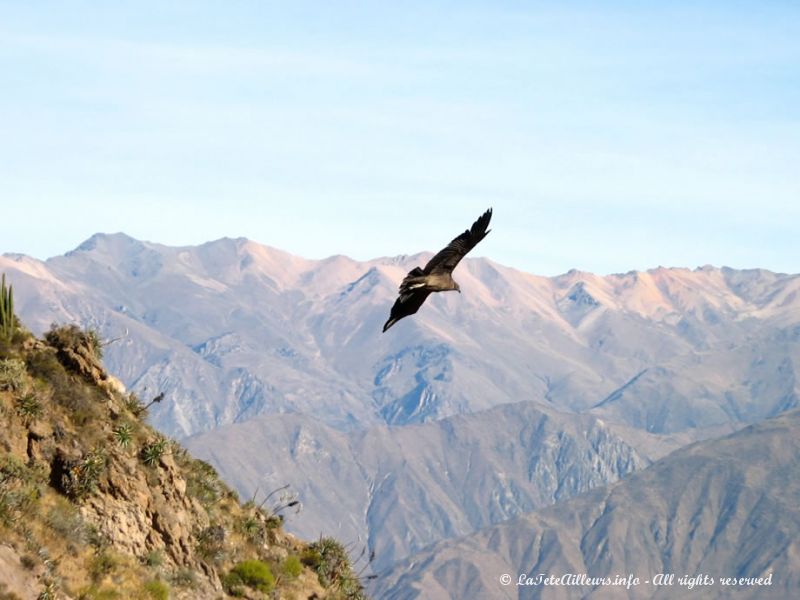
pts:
[437, 276]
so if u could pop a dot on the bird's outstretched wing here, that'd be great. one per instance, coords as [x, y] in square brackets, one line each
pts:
[435, 277]
[406, 304]
[447, 258]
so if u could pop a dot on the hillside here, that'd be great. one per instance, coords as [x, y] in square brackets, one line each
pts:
[96, 504]
[403, 488]
[724, 508]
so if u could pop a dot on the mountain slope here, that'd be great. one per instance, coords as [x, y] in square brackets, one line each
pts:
[400, 489]
[724, 508]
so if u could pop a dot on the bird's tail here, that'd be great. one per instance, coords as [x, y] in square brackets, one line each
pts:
[389, 323]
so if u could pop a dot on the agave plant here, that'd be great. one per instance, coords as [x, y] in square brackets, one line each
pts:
[29, 407]
[152, 453]
[123, 433]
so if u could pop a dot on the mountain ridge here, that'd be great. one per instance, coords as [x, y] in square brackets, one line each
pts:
[534, 456]
[324, 314]
[724, 508]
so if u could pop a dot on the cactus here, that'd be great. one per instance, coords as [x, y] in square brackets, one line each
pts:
[6, 310]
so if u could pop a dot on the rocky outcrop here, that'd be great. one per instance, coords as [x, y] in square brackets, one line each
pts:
[80, 352]
[140, 516]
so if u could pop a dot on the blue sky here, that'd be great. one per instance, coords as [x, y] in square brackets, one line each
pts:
[608, 136]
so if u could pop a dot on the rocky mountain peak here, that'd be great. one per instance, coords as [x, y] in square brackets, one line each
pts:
[103, 242]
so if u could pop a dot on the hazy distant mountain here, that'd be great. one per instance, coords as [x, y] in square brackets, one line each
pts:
[232, 329]
[399, 489]
[723, 508]
[378, 430]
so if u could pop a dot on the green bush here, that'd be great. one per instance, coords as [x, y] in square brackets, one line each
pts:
[29, 407]
[95, 343]
[252, 573]
[20, 489]
[157, 589]
[252, 528]
[12, 374]
[11, 468]
[80, 478]
[44, 365]
[203, 483]
[211, 543]
[153, 558]
[292, 566]
[274, 521]
[102, 564]
[133, 404]
[16, 504]
[184, 578]
[329, 559]
[64, 519]
[83, 402]
[152, 453]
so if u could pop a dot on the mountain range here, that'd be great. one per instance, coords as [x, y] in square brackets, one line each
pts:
[522, 392]
[399, 489]
[725, 508]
